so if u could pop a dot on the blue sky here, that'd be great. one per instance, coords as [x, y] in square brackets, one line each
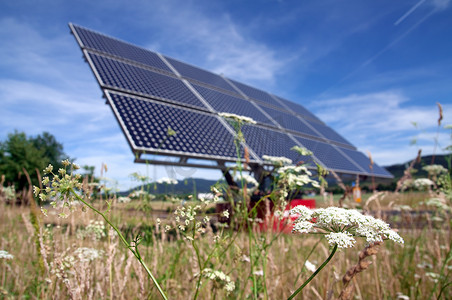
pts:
[369, 69]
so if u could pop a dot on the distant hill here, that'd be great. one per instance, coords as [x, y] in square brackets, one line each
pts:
[190, 185]
[187, 186]
[398, 169]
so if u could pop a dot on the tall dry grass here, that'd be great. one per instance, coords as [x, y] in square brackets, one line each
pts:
[52, 270]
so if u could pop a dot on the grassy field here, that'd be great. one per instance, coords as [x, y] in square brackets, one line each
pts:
[77, 258]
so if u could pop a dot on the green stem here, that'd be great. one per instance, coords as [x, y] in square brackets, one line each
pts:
[198, 283]
[124, 241]
[314, 274]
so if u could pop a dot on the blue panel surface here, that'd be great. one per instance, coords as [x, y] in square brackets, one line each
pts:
[299, 109]
[200, 75]
[146, 122]
[118, 48]
[289, 121]
[124, 76]
[329, 133]
[256, 93]
[227, 103]
[147, 98]
[329, 156]
[270, 142]
[364, 162]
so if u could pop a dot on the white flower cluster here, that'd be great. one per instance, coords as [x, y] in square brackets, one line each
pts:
[237, 118]
[301, 150]
[434, 170]
[248, 179]
[296, 176]
[340, 225]
[87, 254]
[186, 219]
[95, 230]
[167, 180]
[423, 183]
[439, 203]
[5, 255]
[220, 278]
[310, 266]
[124, 199]
[9, 193]
[60, 189]
[277, 160]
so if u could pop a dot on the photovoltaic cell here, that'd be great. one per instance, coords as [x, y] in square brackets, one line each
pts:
[329, 156]
[270, 142]
[227, 103]
[146, 122]
[289, 121]
[200, 75]
[329, 133]
[100, 42]
[256, 94]
[117, 74]
[364, 162]
[299, 109]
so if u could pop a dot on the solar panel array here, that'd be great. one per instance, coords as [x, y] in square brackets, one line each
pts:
[151, 94]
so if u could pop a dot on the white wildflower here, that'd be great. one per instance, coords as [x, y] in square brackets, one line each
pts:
[225, 214]
[402, 296]
[5, 255]
[439, 203]
[124, 199]
[245, 258]
[277, 160]
[341, 239]
[237, 118]
[301, 150]
[248, 179]
[433, 276]
[219, 278]
[342, 225]
[87, 254]
[95, 230]
[259, 273]
[434, 170]
[310, 266]
[423, 183]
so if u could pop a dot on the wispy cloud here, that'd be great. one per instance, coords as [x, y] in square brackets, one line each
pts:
[383, 123]
[216, 43]
[409, 12]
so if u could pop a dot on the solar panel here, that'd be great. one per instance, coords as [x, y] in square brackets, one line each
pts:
[146, 123]
[96, 41]
[364, 162]
[200, 75]
[289, 121]
[329, 156]
[329, 133]
[298, 109]
[266, 141]
[256, 94]
[151, 93]
[230, 104]
[117, 74]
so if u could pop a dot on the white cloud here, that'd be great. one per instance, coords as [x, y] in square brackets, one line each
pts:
[383, 124]
[440, 4]
[216, 43]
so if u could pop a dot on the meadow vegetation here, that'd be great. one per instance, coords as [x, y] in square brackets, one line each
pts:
[84, 242]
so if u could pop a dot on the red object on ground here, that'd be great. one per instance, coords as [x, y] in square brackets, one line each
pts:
[286, 223]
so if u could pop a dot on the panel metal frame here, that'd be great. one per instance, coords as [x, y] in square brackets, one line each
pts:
[255, 161]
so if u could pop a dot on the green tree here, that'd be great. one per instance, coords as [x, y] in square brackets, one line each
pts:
[19, 152]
